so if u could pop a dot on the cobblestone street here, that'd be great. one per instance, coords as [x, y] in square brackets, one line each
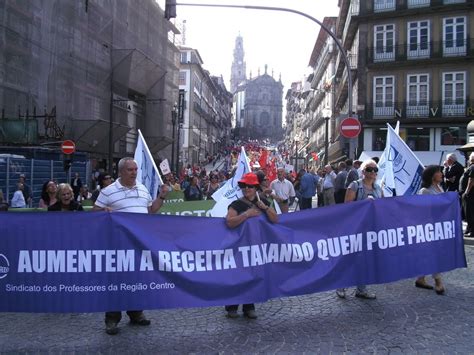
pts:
[403, 319]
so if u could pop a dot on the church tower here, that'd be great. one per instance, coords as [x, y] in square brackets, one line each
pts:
[238, 70]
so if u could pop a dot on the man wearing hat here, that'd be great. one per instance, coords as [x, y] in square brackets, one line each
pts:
[248, 206]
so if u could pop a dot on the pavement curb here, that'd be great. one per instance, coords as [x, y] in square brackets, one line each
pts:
[468, 241]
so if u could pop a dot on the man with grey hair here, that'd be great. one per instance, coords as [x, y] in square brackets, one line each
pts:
[329, 183]
[127, 195]
[283, 190]
[452, 172]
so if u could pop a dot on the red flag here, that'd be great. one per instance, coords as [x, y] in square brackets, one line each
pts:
[263, 159]
[314, 156]
[271, 171]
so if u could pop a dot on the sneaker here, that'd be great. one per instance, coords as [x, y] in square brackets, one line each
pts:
[232, 314]
[111, 328]
[140, 321]
[365, 295]
[341, 292]
[250, 314]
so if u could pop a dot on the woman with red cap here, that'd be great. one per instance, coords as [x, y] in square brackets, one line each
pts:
[250, 205]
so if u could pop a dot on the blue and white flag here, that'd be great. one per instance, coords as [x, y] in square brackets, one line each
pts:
[402, 164]
[147, 174]
[385, 176]
[230, 191]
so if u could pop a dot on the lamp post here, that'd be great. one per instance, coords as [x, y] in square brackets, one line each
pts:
[296, 161]
[174, 117]
[327, 117]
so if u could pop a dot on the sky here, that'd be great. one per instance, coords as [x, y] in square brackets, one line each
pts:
[283, 41]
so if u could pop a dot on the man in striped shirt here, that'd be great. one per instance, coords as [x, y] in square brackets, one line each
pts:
[127, 195]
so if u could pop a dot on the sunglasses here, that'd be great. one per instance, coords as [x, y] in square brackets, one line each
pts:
[107, 177]
[243, 186]
[370, 169]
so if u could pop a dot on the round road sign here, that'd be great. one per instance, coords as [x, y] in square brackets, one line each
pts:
[68, 147]
[350, 127]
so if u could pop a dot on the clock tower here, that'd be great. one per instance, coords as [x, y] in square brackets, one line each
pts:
[238, 71]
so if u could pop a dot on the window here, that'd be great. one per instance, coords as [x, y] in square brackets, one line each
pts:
[454, 93]
[453, 135]
[182, 78]
[416, 138]
[384, 90]
[418, 3]
[379, 139]
[184, 57]
[384, 5]
[384, 36]
[454, 36]
[418, 39]
[417, 95]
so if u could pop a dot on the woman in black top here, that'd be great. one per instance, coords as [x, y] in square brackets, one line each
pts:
[65, 200]
[250, 205]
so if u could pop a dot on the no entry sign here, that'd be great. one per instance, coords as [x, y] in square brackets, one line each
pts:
[350, 127]
[68, 147]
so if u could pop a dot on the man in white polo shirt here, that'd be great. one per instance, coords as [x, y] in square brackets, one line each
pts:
[127, 195]
[282, 190]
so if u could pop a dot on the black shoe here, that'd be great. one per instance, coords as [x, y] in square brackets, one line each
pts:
[232, 314]
[140, 321]
[423, 285]
[365, 295]
[111, 328]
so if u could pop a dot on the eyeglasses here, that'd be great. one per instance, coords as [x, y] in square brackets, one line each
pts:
[371, 169]
[243, 186]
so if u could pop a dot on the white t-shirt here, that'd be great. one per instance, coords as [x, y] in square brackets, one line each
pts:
[18, 200]
[283, 189]
[120, 198]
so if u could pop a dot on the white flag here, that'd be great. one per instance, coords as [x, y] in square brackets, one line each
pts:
[230, 191]
[385, 176]
[147, 171]
[405, 165]
[165, 167]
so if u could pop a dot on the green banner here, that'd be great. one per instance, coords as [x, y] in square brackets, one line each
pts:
[174, 196]
[188, 208]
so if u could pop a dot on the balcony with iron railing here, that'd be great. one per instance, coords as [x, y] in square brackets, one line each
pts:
[341, 90]
[350, 25]
[322, 64]
[420, 110]
[418, 51]
[379, 7]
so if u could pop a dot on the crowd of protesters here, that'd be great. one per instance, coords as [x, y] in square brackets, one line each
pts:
[270, 187]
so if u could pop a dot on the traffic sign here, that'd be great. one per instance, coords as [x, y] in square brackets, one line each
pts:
[68, 147]
[350, 127]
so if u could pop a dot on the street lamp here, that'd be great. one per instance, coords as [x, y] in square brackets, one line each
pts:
[296, 161]
[174, 117]
[327, 117]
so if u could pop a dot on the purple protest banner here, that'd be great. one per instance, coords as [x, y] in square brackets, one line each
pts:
[98, 261]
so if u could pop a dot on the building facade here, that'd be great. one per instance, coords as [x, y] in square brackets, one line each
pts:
[93, 72]
[414, 65]
[208, 110]
[263, 108]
